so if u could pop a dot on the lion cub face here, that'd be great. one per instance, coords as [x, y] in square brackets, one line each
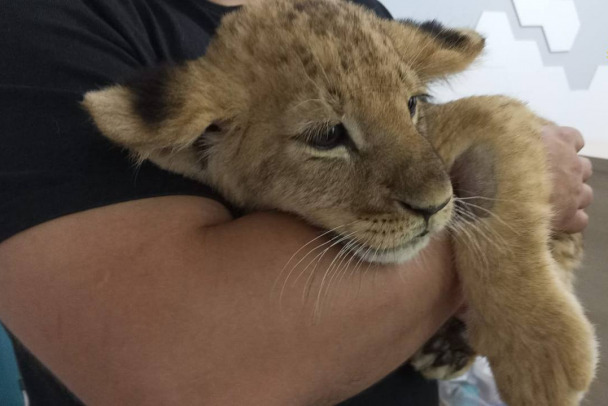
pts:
[314, 107]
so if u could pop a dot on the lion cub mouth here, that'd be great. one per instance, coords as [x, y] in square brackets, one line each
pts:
[383, 237]
[389, 255]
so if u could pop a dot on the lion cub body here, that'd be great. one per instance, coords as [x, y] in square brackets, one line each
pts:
[316, 107]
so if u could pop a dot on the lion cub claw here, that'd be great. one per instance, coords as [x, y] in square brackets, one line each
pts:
[447, 354]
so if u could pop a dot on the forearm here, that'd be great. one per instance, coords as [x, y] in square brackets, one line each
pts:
[133, 307]
[370, 323]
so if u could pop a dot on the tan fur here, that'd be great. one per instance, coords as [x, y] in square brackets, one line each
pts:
[567, 250]
[514, 286]
[278, 69]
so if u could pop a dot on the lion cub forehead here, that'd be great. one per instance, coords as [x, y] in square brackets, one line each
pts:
[272, 30]
[304, 43]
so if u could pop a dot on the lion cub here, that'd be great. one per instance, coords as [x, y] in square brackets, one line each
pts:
[318, 108]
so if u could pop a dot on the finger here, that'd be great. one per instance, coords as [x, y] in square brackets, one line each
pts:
[587, 168]
[578, 223]
[586, 196]
[574, 136]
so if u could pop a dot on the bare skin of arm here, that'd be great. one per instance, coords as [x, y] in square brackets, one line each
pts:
[167, 301]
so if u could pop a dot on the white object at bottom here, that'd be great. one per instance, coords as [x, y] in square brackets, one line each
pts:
[474, 388]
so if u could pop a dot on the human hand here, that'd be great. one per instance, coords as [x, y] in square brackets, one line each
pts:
[570, 195]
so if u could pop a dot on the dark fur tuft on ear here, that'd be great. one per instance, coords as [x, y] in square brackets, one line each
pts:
[153, 100]
[433, 50]
[449, 37]
[161, 114]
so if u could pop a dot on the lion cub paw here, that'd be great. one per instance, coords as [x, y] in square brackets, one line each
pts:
[447, 354]
[548, 366]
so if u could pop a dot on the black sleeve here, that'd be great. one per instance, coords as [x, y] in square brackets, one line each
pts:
[53, 161]
[376, 7]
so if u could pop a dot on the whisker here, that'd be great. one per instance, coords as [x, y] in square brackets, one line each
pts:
[320, 246]
[306, 245]
[466, 232]
[305, 256]
[334, 265]
[309, 281]
[483, 198]
[494, 215]
[337, 269]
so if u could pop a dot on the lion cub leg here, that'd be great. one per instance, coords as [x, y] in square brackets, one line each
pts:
[522, 315]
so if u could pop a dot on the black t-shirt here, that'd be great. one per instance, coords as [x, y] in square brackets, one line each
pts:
[53, 162]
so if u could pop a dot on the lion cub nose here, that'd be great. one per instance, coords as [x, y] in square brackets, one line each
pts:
[425, 212]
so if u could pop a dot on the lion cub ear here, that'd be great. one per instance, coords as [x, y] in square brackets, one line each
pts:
[164, 110]
[433, 50]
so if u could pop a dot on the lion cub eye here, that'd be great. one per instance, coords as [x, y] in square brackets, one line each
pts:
[332, 138]
[412, 104]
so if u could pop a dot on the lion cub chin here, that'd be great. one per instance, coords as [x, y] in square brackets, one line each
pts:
[319, 108]
[395, 255]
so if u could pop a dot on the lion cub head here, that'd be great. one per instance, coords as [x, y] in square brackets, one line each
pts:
[313, 107]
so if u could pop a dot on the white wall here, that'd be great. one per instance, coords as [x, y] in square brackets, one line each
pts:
[519, 68]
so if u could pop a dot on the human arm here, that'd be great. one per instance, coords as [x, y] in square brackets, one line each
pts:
[166, 299]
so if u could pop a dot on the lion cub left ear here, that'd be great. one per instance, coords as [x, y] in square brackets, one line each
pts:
[161, 111]
[433, 50]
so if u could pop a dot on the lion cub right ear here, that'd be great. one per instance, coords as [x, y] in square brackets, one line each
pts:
[163, 110]
[433, 50]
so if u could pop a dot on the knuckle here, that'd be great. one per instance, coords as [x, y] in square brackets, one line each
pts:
[587, 165]
[590, 192]
[579, 222]
[563, 135]
[573, 136]
[584, 219]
